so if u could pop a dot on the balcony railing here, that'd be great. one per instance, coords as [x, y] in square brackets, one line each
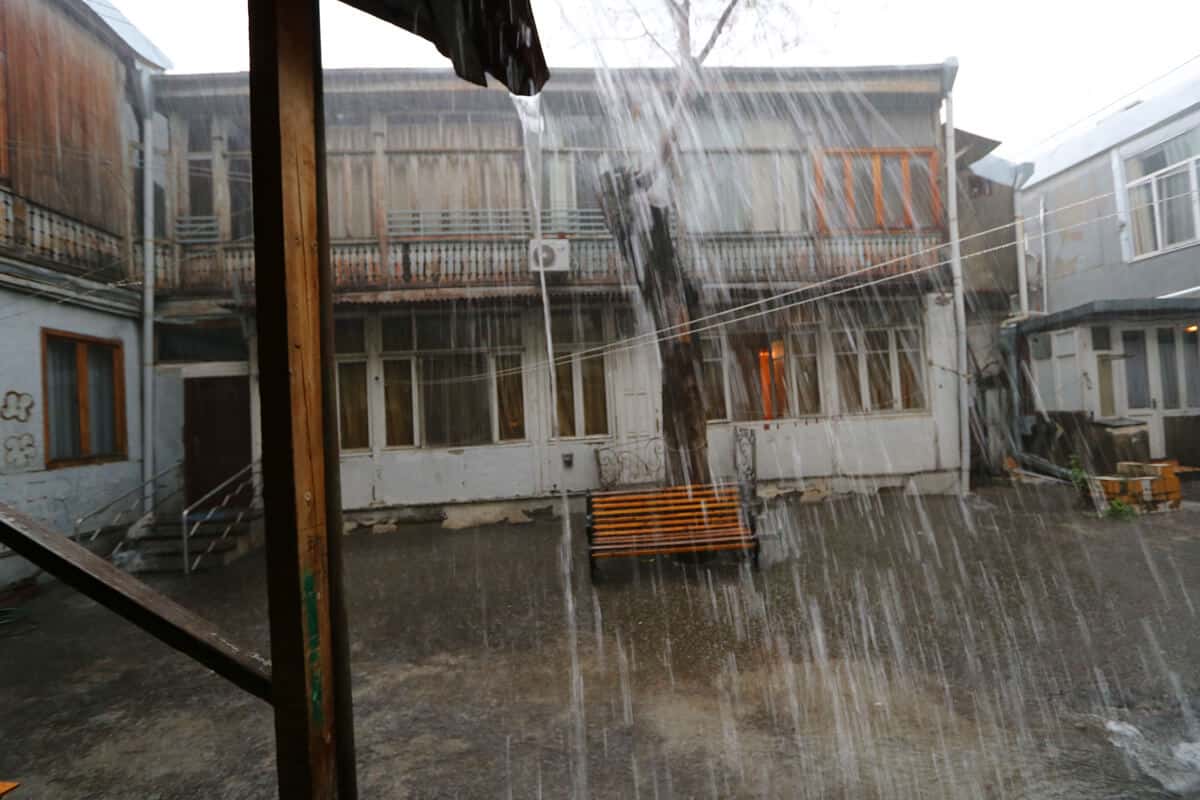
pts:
[515, 222]
[44, 236]
[490, 259]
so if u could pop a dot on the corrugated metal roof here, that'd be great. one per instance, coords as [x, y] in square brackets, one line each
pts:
[137, 41]
[1116, 129]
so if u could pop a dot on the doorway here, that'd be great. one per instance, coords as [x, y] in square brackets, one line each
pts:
[216, 433]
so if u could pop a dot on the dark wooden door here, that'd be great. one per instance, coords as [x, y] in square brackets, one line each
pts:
[216, 433]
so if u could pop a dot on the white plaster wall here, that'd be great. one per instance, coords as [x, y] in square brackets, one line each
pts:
[56, 497]
[865, 448]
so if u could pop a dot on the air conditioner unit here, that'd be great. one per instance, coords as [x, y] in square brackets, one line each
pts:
[549, 255]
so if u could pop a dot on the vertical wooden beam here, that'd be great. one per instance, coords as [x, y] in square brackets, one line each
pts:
[379, 192]
[300, 482]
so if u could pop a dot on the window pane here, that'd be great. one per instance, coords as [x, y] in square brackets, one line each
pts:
[922, 192]
[912, 368]
[62, 383]
[563, 328]
[1137, 372]
[505, 330]
[845, 346]
[1191, 366]
[102, 402]
[748, 354]
[1141, 217]
[200, 187]
[595, 398]
[849, 389]
[1175, 197]
[397, 402]
[833, 203]
[1108, 407]
[893, 193]
[714, 378]
[456, 404]
[864, 191]
[397, 333]
[348, 335]
[808, 385]
[1168, 367]
[565, 384]
[776, 380]
[714, 390]
[510, 397]
[879, 370]
[433, 331]
[352, 405]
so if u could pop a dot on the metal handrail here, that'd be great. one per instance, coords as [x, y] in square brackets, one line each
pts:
[139, 488]
[186, 534]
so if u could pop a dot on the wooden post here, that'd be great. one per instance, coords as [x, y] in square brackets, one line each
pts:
[310, 685]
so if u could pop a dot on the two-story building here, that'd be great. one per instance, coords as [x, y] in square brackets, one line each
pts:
[823, 184]
[1112, 222]
[72, 106]
[820, 190]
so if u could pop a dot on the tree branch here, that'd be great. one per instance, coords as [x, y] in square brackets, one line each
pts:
[653, 38]
[716, 31]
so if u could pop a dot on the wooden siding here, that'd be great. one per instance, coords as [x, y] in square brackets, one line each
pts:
[63, 96]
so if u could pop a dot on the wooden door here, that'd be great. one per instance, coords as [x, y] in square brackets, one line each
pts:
[216, 434]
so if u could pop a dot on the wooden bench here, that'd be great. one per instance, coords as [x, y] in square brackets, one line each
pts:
[679, 519]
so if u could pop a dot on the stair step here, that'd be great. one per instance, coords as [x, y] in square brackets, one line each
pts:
[204, 532]
[175, 546]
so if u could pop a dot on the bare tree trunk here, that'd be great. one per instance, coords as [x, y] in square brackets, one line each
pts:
[643, 232]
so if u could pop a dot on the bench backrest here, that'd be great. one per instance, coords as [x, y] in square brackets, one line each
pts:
[675, 509]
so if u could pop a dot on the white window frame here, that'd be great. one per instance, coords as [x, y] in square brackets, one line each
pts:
[1192, 164]
[859, 335]
[577, 350]
[362, 357]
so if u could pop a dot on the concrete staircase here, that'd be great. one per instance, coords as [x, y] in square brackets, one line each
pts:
[214, 543]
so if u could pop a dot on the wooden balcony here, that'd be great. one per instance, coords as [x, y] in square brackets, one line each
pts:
[433, 249]
[39, 235]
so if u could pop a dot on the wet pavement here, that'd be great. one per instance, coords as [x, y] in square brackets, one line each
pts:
[891, 646]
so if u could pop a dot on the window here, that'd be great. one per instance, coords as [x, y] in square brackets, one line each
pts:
[712, 351]
[350, 347]
[466, 367]
[582, 390]
[806, 364]
[1191, 364]
[1137, 369]
[85, 398]
[878, 190]
[1168, 365]
[758, 375]
[455, 400]
[1164, 209]
[879, 369]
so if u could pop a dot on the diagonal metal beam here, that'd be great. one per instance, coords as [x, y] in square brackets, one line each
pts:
[155, 613]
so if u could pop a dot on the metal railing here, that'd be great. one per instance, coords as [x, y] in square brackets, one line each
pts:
[197, 229]
[249, 478]
[495, 222]
[129, 502]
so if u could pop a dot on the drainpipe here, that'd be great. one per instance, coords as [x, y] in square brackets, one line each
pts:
[148, 275]
[949, 69]
[1022, 268]
[1042, 266]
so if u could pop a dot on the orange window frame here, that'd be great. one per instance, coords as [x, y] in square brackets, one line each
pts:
[82, 343]
[876, 155]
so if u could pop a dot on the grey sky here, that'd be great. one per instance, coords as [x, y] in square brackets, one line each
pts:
[1027, 67]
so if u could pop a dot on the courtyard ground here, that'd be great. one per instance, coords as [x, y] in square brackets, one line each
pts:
[891, 646]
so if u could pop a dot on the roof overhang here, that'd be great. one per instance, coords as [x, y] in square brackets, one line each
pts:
[1110, 310]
